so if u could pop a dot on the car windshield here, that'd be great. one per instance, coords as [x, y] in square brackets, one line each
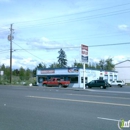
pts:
[93, 81]
[119, 81]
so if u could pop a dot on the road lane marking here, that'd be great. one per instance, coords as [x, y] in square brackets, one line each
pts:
[108, 91]
[109, 119]
[98, 96]
[82, 101]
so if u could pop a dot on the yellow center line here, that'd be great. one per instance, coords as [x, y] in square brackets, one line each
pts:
[81, 101]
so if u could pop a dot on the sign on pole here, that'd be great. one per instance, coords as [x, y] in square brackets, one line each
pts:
[84, 54]
[84, 59]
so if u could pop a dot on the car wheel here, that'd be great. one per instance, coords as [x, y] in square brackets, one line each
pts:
[44, 85]
[65, 86]
[86, 86]
[101, 87]
[60, 85]
[120, 85]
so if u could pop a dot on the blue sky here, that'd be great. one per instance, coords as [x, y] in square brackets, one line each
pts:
[41, 28]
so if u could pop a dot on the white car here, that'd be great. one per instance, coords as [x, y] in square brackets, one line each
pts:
[119, 83]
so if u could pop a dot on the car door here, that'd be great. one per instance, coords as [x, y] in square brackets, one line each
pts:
[96, 83]
[113, 83]
[55, 82]
[92, 83]
[49, 82]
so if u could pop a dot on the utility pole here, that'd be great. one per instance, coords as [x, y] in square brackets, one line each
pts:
[10, 38]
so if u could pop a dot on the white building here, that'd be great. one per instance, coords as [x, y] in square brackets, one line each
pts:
[75, 75]
[123, 69]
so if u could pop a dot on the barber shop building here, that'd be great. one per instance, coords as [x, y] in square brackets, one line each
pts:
[75, 75]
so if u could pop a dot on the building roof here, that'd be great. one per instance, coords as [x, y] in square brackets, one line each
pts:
[74, 67]
[122, 62]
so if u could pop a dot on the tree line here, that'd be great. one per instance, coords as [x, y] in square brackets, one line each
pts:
[22, 74]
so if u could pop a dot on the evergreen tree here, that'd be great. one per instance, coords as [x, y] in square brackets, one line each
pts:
[62, 58]
[109, 64]
[79, 65]
[91, 65]
[39, 66]
[102, 64]
[28, 74]
[22, 73]
[16, 72]
[54, 65]
[105, 64]
[76, 64]
[3, 67]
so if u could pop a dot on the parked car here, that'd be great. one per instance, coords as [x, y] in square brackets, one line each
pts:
[97, 83]
[56, 82]
[119, 83]
[108, 83]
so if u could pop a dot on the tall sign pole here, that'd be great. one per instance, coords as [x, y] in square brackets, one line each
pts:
[84, 60]
[10, 38]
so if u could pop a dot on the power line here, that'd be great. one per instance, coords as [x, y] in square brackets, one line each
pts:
[76, 13]
[81, 18]
[114, 44]
[4, 51]
[69, 47]
[27, 51]
[89, 36]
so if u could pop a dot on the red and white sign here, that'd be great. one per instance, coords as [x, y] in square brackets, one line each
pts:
[47, 71]
[84, 53]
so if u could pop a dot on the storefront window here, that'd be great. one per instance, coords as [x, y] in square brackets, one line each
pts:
[41, 79]
[111, 77]
[115, 77]
[106, 77]
[73, 79]
[100, 78]
[85, 79]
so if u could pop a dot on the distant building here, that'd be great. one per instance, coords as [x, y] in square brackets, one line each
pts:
[123, 69]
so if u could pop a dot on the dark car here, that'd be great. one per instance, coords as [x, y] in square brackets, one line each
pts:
[97, 83]
[109, 85]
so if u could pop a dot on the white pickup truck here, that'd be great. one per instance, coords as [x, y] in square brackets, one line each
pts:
[119, 83]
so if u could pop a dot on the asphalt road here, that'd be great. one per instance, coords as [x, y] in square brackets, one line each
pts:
[38, 108]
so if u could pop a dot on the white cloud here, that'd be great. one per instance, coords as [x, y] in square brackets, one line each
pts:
[123, 27]
[42, 43]
[4, 32]
[25, 63]
[119, 58]
[45, 43]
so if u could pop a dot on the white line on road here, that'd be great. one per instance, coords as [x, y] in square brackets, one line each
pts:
[102, 118]
[108, 91]
[82, 101]
[97, 96]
